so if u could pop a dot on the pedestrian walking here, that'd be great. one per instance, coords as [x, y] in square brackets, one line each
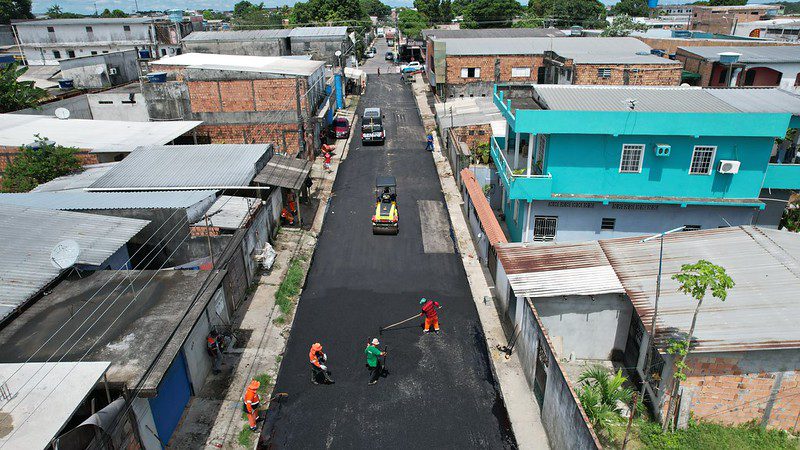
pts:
[431, 315]
[214, 351]
[373, 363]
[327, 163]
[429, 139]
[379, 71]
[319, 371]
[252, 402]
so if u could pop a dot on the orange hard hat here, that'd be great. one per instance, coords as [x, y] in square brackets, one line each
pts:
[317, 347]
[254, 385]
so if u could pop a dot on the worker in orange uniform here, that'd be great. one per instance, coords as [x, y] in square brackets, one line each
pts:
[252, 402]
[319, 371]
[214, 351]
[430, 313]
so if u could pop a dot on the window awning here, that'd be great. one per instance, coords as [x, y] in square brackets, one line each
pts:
[285, 172]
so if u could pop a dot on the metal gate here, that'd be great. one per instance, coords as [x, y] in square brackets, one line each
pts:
[173, 396]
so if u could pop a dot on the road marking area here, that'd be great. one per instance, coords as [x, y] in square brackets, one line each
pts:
[435, 227]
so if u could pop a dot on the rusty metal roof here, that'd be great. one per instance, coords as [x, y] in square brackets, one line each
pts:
[554, 270]
[761, 310]
[485, 215]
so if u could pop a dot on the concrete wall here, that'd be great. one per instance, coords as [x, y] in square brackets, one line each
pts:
[586, 327]
[167, 101]
[564, 421]
[273, 47]
[102, 70]
[198, 362]
[146, 424]
[78, 107]
[119, 106]
[320, 49]
[581, 221]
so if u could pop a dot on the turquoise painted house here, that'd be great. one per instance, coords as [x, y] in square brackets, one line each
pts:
[589, 162]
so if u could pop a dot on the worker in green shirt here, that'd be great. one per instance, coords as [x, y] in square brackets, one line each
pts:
[373, 363]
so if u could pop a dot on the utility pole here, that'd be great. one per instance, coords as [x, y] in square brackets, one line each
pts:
[301, 133]
[208, 239]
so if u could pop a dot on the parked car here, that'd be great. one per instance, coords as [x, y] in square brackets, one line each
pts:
[389, 56]
[340, 127]
[370, 54]
[372, 130]
[412, 67]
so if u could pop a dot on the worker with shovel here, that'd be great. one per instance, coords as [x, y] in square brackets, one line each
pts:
[319, 371]
[373, 363]
[252, 403]
[431, 315]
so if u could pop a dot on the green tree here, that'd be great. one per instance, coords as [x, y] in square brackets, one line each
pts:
[411, 23]
[248, 16]
[15, 94]
[633, 8]
[55, 12]
[38, 164]
[210, 14]
[601, 395]
[567, 13]
[528, 20]
[459, 6]
[15, 9]
[623, 25]
[491, 13]
[117, 13]
[376, 8]
[694, 280]
[727, 2]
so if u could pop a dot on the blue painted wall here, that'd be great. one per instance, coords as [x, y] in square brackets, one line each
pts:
[172, 397]
[589, 164]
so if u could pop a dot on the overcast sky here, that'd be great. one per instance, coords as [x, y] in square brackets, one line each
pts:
[87, 6]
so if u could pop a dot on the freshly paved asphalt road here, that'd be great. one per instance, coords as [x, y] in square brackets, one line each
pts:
[440, 392]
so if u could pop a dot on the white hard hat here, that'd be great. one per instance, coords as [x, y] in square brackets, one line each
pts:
[375, 341]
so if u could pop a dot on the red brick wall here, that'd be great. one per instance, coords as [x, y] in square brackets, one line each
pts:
[723, 391]
[283, 136]
[476, 138]
[237, 95]
[245, 95]
[670, 45]
[204, 96]
[487, 64]
[647, 75]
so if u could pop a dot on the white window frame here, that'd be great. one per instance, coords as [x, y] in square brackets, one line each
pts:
[520, 72]
[604, 72]
[641, 148]
[516, 210]
[465, 72]
[713, 149]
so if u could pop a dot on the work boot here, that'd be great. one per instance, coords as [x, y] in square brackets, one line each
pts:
[373, 382]
[253, 428]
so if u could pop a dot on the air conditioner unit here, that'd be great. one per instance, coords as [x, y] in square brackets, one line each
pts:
[112, 70]
[728, 166]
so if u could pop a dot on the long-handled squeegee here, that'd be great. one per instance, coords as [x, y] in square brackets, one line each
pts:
[382, 329]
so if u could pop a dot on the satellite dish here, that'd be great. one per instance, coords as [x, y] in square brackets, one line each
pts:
[62, 113]
[65, 254]
[99, 70]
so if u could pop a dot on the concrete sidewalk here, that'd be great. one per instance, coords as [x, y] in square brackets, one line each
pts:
[214, 417]
[523, 409]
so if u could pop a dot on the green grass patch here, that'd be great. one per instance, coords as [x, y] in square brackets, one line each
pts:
[278, 359]
[246, 436]
[700, 436]
[280, 320]
[290, 286]
[265, 380]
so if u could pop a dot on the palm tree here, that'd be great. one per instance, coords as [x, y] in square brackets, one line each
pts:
[603, 396]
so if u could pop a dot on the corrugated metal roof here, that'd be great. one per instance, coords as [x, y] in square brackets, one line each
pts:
[759, 100]
[754, 54]
[236, 35]
[467, 111]
[761, 310]
[485, 214]
[76, 181]
[553, 270]
[230, 212]
[28, 236]
[312, 32]
[266, 64]
[582, 50]
[492, 33]
[114, 135]
[285, 172]
[616, 98]
[82, 200]
[90, 21]
[214, 166]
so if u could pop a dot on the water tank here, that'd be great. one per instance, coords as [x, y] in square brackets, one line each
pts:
[66, 83]
[157, 77]
[652, 3]
[175, 15]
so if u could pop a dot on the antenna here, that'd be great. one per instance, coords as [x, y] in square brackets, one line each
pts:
[65, 254]
[62, 113]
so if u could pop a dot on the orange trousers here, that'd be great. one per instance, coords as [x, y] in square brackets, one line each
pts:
[432, 321]
[252, 416]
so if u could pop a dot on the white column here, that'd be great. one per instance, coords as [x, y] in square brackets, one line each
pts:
[516, 150]
[531, 150]
[527, 223]
[505, 144]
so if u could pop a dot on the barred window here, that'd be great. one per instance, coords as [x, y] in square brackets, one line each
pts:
[631, 160]
[702, 160]
[608, 223]
[604, 72]
[544, 228]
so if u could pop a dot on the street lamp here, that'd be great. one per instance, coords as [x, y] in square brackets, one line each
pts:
[660, 237]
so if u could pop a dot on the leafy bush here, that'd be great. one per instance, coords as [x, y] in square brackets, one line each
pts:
[38, 164]
[711, 436]
[602, 396]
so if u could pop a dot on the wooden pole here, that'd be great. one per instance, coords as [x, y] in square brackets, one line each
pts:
[630, 419]
[208, 239]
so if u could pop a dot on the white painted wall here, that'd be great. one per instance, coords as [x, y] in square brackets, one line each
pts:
[147, 426]
[116, 109]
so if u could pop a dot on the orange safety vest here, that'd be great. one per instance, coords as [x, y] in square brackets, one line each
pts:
[312, 354]
[251, 399]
